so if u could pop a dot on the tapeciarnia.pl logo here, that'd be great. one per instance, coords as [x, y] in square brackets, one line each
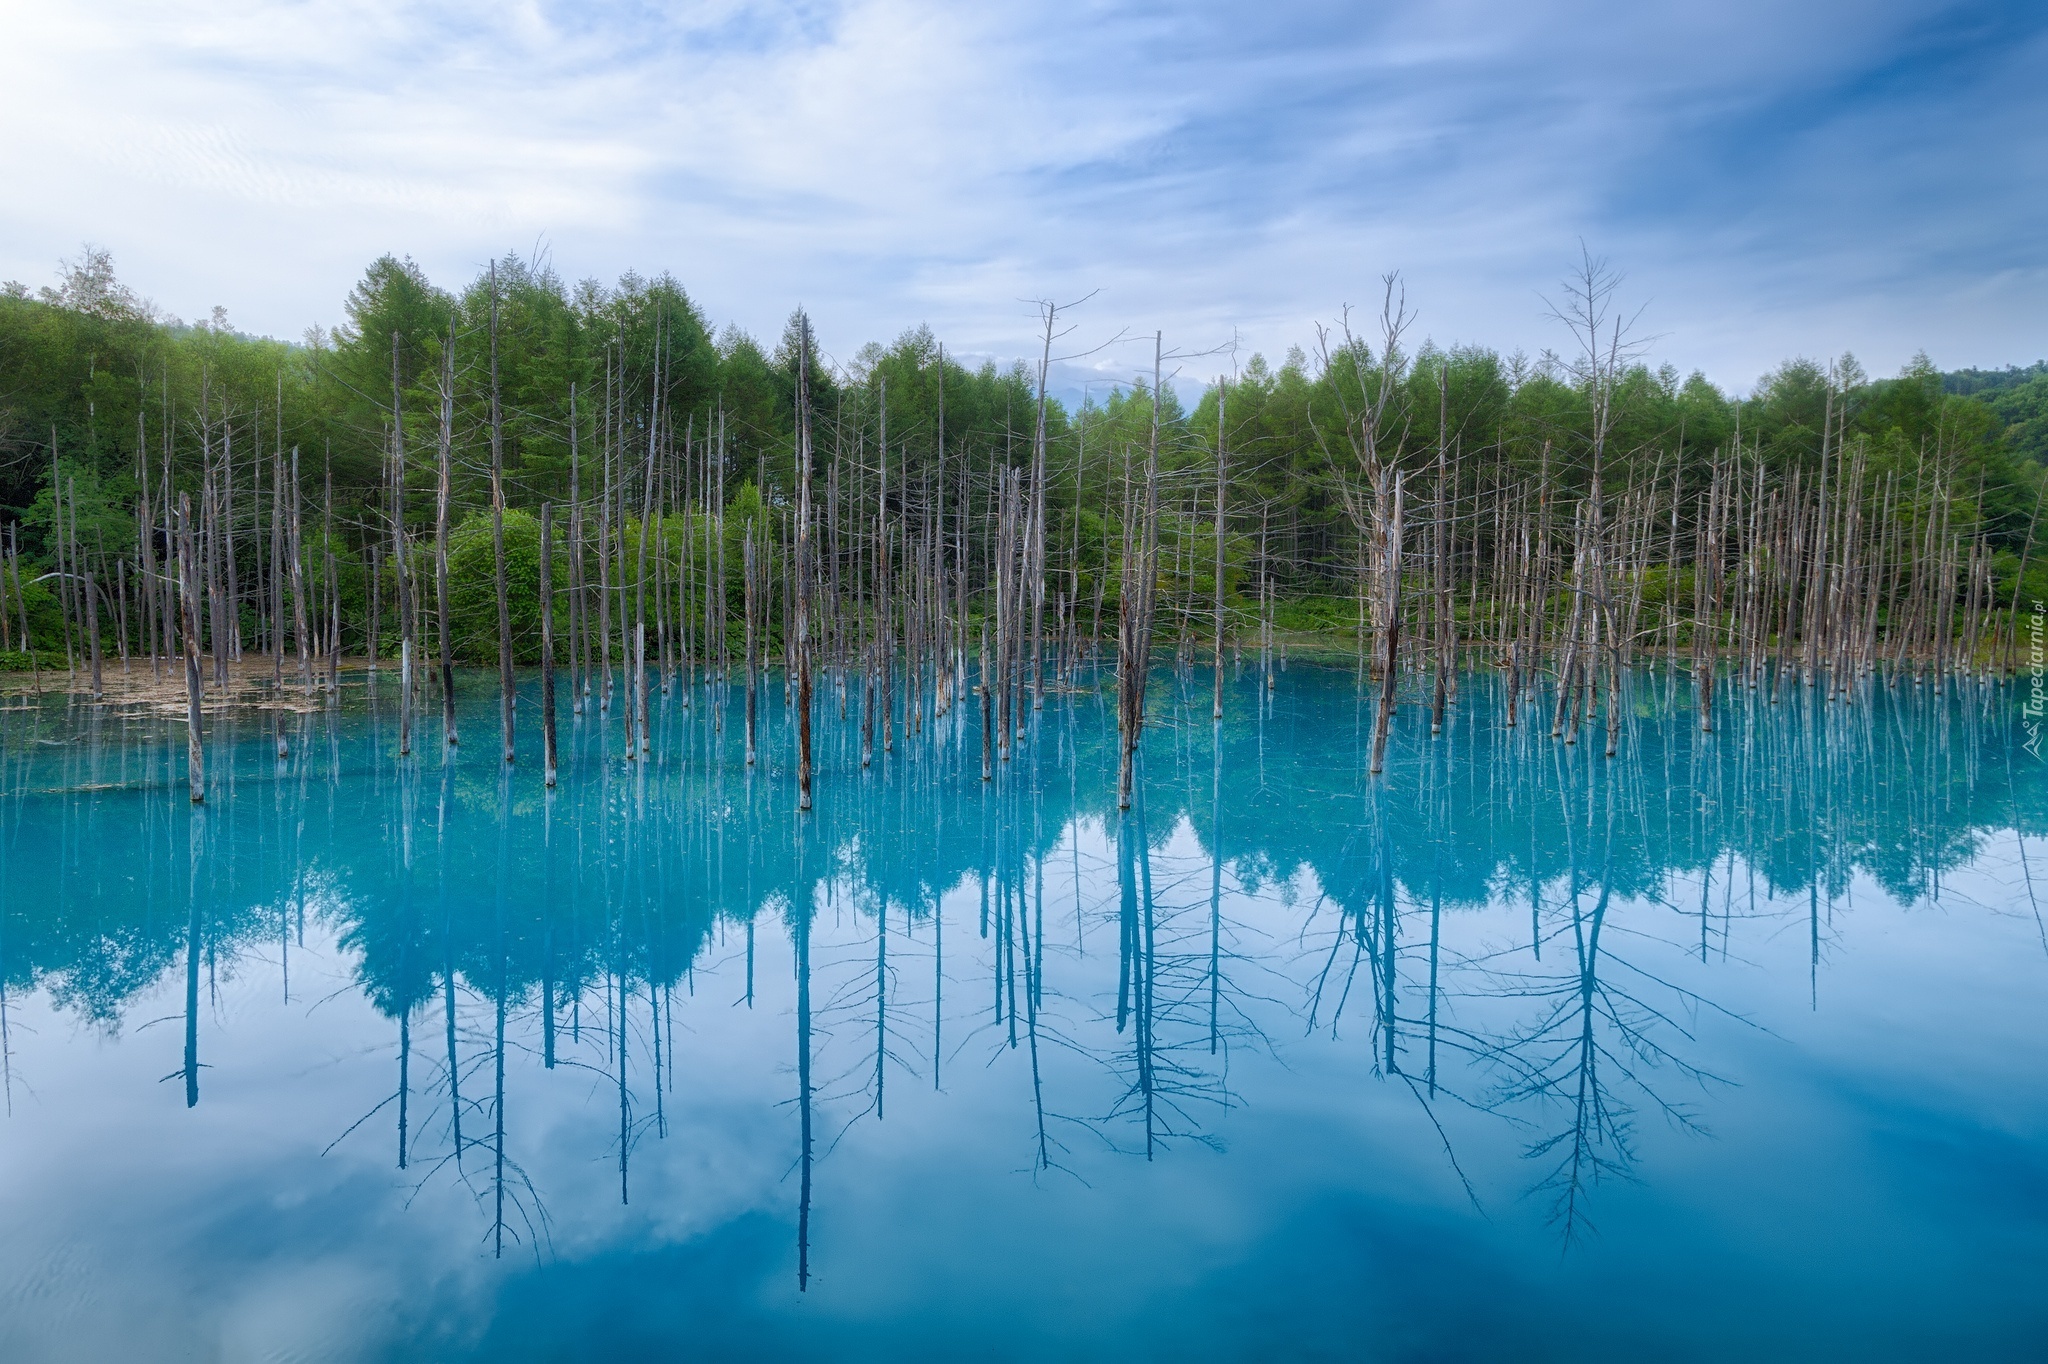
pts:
[2037, 670]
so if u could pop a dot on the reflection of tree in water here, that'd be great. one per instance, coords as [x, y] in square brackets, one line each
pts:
[1574, 1020]
[572, 960]
[800, 935]
[899, 847]
[1170, 994]
[1602, 1025]
[895, 1009]
[1012, 922]
[495, 927]
[869, 998]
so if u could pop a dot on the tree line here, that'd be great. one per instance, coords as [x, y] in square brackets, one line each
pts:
[403, 486]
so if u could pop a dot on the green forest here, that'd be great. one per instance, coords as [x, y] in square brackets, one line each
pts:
[102, 398]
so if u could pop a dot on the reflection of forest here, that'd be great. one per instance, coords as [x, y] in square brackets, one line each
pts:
[1261, 884]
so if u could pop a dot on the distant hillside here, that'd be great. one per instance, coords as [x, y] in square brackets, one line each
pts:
[1974, 381]
[2017, 396]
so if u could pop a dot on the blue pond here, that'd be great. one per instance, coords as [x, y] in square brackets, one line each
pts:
[1734, 1046]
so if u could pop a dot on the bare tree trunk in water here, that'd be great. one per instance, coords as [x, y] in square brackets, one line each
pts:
[507, 694]
[299, 580]
[1222, 398]
[801, 610]
[188, 594]
[1391, 586]
[547, 638]
[1140, 583]
[442, 492]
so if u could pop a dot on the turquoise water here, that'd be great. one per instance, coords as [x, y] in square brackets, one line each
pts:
[1731, 1047]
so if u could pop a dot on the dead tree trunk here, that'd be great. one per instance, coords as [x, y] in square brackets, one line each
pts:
[188, 600]
[1390, 587]
[507, 692]
[547, 639]
[800, 611]
[443, 490]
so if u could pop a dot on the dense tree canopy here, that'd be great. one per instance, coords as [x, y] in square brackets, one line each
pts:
[95, 387]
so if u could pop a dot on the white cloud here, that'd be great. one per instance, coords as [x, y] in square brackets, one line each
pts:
[887, 162]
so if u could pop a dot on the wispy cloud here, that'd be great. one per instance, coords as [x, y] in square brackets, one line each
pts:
[1775, 179]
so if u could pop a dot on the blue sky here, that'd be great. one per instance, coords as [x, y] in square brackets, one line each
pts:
[1773, 179]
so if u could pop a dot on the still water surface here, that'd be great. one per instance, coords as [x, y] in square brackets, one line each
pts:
[1732, 1047]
